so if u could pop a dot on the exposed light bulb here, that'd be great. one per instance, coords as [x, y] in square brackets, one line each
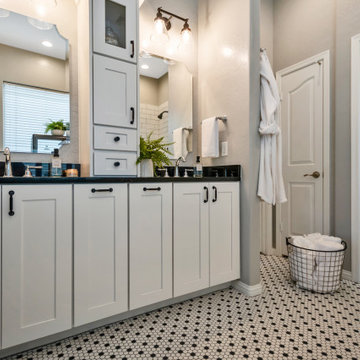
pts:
[186, 33]
[159, 26]
[227, 52]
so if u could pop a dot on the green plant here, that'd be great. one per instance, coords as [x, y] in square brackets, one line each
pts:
[154, 150]
[56, 125]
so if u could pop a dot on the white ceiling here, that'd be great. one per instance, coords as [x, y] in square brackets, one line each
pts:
[157, 67]
[16, 31]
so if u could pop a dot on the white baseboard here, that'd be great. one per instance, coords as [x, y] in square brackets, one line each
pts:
[248, 290]
[347, 275]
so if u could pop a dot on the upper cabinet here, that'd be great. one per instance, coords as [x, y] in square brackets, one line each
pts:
[115, 28]
[114, 92]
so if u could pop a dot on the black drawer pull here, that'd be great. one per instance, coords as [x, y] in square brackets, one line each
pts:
[117, 138]
[216, 193]
[117, 163]
[102, 190]
[132, 109]
[132, 42]
[152, 189]
[207, 194]
[11, 210]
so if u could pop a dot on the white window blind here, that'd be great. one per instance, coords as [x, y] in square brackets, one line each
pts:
[26, 110]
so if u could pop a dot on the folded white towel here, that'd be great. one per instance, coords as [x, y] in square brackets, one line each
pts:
[210, 138]
[180, 139]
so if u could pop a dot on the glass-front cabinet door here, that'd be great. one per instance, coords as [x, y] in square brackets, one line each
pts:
[115, 28]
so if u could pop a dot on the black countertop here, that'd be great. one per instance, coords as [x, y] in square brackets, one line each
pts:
[110, 180]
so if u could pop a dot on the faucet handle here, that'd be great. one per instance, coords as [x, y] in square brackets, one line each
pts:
[28, 173]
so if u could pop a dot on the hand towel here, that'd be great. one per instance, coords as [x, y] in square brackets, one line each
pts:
[210, 138]
[180, 139]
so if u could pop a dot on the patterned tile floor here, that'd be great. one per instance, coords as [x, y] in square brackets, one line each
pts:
[283, 323]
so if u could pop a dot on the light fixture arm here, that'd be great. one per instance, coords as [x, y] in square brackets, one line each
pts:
[161, 10]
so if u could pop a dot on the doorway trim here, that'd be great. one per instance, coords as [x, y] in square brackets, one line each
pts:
[355, 157]
[324, 59]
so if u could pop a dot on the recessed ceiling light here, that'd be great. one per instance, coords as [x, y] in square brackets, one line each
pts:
[145, 67]
[47, 43]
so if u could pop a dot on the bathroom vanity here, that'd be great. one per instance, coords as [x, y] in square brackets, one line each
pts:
[83, 250]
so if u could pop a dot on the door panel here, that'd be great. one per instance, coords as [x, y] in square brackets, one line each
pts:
[37, 258]
[224, 233]
[114, 92]
[115, 28]
[191, 238]
[302, 131]
[100, 252]
[150, 243]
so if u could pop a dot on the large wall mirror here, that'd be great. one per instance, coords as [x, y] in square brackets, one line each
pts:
[34, 93]
[166, 67]
[165, 99]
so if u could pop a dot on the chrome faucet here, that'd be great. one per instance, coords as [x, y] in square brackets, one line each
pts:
[8, 166]
[181, 158]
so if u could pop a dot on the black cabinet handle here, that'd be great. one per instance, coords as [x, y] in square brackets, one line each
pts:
[132, 42]
[102, 190]
[117, 163]
[132, 109]
[117, 138]
[152, 189]
[216, 193]
[11, 210]
[206, 200]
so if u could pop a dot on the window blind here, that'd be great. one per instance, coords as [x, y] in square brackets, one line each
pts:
[26, 110]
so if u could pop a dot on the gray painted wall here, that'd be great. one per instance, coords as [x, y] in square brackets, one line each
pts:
[301, 29]
[230, 85]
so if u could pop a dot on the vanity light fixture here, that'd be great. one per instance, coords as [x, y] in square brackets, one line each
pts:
[47, 43]
[163, 24]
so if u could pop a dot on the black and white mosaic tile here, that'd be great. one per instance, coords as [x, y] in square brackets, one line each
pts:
[283, 323]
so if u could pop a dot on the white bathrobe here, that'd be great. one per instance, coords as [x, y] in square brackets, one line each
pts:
[271, 183]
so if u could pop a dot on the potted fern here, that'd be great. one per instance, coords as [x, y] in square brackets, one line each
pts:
[153, 153]
[56, 127]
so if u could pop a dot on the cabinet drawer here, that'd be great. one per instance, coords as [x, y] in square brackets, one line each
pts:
[114, 163]
[109, 138]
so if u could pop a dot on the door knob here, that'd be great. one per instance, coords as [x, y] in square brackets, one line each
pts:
[315, 175]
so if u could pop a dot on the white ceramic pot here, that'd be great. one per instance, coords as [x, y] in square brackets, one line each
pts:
[147, 168]
[57, 132]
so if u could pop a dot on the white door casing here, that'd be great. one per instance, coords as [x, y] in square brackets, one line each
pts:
[355, 157]
[305, 124]
[100, 251]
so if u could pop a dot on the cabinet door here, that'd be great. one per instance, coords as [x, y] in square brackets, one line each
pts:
[191, 238]
[37, 262]
[224, 232]
[115, 28]
[114, 92]
[100, 251]
[150, 243]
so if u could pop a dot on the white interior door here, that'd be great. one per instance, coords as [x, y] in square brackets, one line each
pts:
[302, 119]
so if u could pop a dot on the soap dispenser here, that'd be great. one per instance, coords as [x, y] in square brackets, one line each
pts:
[198, 168]
[56, 166]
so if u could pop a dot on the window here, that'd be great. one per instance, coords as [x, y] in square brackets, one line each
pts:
[26, 110]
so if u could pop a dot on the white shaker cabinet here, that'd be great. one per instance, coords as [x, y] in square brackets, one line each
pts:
[115, 28]
[150, 219]
[191, 237]
[224, 204]
[36, 261]
[114, 92]
[206, 235]
[100, 251]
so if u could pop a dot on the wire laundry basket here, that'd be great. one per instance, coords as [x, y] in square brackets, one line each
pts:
[316, 270]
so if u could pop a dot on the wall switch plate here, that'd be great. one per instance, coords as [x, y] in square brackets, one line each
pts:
[224, 148]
